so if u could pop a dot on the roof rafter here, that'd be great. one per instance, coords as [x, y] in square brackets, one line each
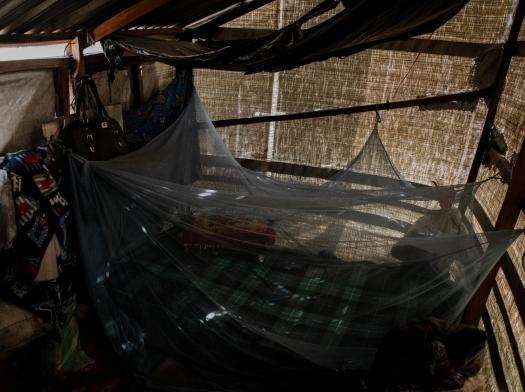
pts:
[213, 21]
[125, 17]
[415, 45]
[515, 195]
[33, 64]
[462, 96]
[496, 90]
[507, 219]
[30, 39]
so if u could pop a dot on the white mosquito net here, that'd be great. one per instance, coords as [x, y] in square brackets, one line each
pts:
[198, 264]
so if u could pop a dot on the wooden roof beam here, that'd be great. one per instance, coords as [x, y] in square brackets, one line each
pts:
[76, 52]
[515, 195]
[462, 96]
[509, 50]
[211, 22]
[412, 45]
[507, 219]
[495, 358]
[141, 32]
[509, 269]
[33, 64]
[35, 39]
[124, 18]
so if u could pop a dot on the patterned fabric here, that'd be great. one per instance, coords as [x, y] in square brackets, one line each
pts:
[41, 212]
[306, 302]
[297, 299]
[163, 108]
[40, 208]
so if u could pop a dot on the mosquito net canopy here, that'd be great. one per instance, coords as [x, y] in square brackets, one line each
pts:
[206, 274]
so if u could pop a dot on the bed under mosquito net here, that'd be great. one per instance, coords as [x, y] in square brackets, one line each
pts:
[224, 275]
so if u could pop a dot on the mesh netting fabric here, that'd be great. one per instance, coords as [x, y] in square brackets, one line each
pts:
[198, 264]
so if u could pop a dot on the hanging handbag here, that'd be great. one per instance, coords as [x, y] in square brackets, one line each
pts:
[92, 133]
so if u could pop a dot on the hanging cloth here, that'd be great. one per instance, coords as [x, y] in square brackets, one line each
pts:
[162, 109]
[358, 26]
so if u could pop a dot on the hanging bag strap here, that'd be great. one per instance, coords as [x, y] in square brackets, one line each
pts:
[101, 110]
[87, 100]
[95, 135]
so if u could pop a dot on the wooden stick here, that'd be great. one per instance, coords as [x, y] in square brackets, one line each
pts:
[411, 45]
[124, 18]
[136, 85]
[509, 48]
[509, 270]
[35, 39]
[495, 359]
[513, 202]
[463, 96]
[76, 51]
[62, 89]
[507, 218]
[36, 64]
[514, 346]
[213, 21]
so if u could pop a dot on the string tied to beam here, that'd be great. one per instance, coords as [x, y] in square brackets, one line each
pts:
[378, 117]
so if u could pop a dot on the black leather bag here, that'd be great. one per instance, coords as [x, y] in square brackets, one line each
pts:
[91, 133]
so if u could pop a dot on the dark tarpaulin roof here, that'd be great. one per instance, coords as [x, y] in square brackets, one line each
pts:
[360, 25]
[63, 18]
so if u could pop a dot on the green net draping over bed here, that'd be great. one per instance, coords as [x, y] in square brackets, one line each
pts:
[210, 276]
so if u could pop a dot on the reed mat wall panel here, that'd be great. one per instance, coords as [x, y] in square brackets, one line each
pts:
[480, 21]
[26, 100]
[120, 88]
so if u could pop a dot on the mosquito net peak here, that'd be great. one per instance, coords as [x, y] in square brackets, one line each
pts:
[200, 265]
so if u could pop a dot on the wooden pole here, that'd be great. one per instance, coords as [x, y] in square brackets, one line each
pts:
[507, 218]
[463, 96]
[33, 64]
[496, 90]
[495, 359]
[62, 90]
[76, 51]
[124, 18]
[78, 69]
[135, 80]
[513, 202]
[209, 24]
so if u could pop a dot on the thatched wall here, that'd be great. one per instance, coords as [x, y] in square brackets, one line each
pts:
[26, 100]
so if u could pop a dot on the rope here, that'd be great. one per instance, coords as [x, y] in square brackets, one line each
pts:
[411, 67]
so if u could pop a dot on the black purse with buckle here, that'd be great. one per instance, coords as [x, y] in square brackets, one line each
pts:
[91, 133]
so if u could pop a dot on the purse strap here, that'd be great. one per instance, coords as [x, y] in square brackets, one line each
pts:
[87, 100]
